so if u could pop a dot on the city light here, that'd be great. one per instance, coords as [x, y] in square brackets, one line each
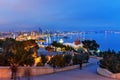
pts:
[61, 41]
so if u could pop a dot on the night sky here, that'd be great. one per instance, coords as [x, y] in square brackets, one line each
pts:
[59, 14]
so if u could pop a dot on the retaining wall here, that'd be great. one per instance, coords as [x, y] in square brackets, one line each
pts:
[106, 73]
[5, 72]
[33, 71]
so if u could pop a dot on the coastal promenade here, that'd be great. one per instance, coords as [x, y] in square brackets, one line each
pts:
[87, 73]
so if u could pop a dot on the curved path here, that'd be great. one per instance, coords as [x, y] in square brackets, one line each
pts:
[87, 73]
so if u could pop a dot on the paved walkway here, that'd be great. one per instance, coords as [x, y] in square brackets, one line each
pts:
[87, 73]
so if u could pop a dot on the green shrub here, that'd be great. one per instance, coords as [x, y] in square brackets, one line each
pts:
[3, 61]
[44, 59]
[75, 59]
[111, 61]
[81, 56]
[40, 64]
[57, 61]
[67, 48]
[67, 59]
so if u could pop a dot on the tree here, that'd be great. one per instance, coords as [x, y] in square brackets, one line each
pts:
[67, 59]
[15, 52]
[111, 61]
[44, 59]
[57, 61]
[66, 48]
[90, 44]
[3, 61]
[1, 43]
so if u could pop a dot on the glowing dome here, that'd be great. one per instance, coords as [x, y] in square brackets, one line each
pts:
[61, 41]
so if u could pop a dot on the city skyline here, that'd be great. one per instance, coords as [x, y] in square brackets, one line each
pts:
[60, 14]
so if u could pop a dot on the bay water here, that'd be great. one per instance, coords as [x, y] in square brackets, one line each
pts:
[106, 41]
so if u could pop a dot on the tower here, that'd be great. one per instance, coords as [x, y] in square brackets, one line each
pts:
[40, 30]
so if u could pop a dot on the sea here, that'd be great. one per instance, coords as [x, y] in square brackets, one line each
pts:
[105, 40]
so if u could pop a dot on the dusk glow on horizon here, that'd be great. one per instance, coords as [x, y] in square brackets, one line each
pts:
[59, 14]
[60, 39]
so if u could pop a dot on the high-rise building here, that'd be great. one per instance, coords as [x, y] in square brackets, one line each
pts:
[40, 30]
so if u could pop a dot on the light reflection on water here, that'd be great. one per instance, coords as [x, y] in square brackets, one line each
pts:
[106, 41]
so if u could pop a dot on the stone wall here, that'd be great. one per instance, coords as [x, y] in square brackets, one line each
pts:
[5, 72]
[106, 73]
